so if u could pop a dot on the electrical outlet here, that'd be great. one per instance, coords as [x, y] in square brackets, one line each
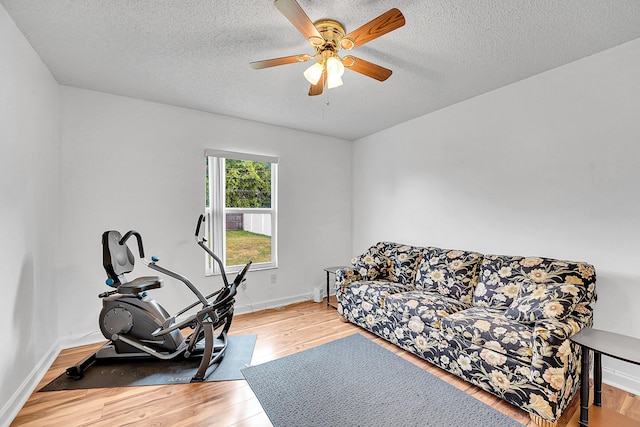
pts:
[274, 279]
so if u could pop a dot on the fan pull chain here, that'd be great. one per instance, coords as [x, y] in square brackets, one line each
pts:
[327, 103]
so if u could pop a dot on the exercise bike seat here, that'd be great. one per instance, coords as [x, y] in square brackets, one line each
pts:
[117, 260]
[140, 285]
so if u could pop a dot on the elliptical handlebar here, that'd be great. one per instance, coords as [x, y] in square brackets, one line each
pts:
[180, 277]
[229, 290]
[200, 221]
[240, 277]
[202, 244]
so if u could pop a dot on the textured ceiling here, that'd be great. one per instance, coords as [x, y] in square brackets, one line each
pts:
[196, 53]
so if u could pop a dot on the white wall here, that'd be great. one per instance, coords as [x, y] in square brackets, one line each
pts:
[547, 166]
[29, 145]
[130, 164]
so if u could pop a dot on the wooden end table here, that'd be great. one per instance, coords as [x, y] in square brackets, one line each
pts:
[601, 342]
[332, 270]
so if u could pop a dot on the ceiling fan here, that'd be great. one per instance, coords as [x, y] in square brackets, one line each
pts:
[327, 37]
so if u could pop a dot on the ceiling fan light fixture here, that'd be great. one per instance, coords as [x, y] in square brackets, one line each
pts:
[335, 70]
[335, 67]
[313, 73]
[333, 81]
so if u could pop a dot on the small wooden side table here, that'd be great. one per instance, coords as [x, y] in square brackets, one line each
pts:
[332, 270]
[601, 342]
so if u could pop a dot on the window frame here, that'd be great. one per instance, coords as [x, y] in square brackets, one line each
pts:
[215, 213]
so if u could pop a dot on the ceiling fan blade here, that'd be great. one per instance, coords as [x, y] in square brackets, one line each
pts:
[280, 61]
[297, 16]
[366, 68]
[387, 22]
[317, 88]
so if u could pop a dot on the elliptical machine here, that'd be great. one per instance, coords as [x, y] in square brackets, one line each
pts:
[138, 327]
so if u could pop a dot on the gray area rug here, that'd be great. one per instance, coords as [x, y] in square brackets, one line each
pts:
[129, 373]
[356, 382]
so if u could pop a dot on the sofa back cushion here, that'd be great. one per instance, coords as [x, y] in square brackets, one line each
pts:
[394, 262]
[501, 278]
[452, 273]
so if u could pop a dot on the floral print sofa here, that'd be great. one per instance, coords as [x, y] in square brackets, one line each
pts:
[500, 322]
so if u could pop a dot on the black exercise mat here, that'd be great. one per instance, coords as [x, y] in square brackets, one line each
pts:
[130, 373]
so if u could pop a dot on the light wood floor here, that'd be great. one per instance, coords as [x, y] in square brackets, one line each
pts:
[232, 403]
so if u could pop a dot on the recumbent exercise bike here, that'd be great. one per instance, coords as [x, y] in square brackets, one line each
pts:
[138, 327]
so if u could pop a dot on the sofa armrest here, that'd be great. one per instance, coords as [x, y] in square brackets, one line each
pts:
[556, 360]
[345, 276]
[551, 345]
[553, 333]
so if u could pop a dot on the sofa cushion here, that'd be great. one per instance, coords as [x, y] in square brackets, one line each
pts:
[536, 301]
[419, 308]
[376, 291]
[501, 276]
[451, 273]
[372, 265]
[492, 330]
[403, 261]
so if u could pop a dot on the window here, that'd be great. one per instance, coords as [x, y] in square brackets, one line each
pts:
[241, 210]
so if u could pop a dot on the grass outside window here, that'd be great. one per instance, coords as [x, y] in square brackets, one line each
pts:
[243, 246]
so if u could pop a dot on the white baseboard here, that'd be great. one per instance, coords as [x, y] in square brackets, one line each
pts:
[621, 380]
[93, 337]
[274, 303]
[28, 386]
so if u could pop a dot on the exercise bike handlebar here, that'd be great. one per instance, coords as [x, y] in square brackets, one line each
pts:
[138, 238]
